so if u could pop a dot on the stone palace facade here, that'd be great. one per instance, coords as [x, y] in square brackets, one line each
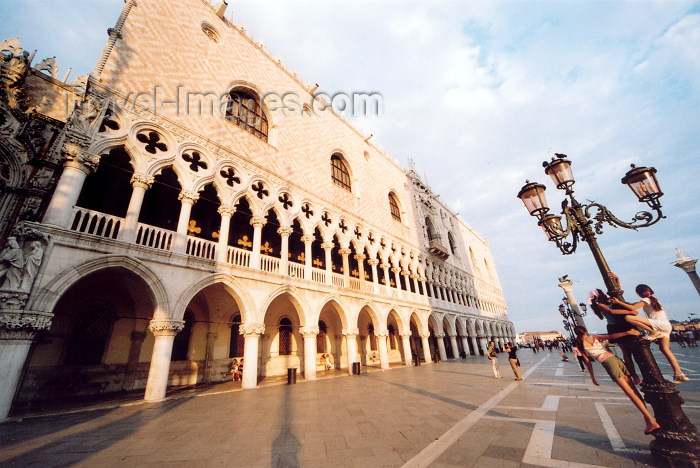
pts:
[177, 209]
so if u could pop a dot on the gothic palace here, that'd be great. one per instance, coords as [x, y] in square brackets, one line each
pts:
[169, 213]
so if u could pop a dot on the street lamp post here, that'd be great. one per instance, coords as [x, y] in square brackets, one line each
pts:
[677, 439]
[572, 318]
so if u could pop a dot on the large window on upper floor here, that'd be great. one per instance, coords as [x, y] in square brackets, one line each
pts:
[394, 207]
[243, 108]
[340, 173]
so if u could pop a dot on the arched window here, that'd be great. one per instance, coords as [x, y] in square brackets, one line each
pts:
[89, 335]
[392, 337]
[243, 108]
[236, 342]
[285, 330]
[453, 245]
[181, 344]
[372, 337]
[340, 173]
[321, 337]
[394, 207]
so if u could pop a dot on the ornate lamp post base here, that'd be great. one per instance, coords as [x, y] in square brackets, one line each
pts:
[677, 442]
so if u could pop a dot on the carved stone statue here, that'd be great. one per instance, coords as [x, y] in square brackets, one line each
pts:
[11, 264]
[32, 261]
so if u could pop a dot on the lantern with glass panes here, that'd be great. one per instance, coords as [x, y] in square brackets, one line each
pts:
[676, 441]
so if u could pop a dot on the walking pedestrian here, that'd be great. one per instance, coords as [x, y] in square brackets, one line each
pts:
[491, 354]
[513, 360]
[656, 323]
[590, 347]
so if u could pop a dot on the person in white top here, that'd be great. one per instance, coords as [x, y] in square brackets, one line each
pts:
[657, 323]
[591, 348]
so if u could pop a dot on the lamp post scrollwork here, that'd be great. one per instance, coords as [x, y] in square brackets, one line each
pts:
[677, 440]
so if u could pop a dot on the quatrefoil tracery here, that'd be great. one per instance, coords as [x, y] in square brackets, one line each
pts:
[306, 208]
[260, 191]
[195, 161]
[152, 142]
[286, 201]
[230, 175]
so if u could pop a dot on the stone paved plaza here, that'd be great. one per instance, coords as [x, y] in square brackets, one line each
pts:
[448, 414]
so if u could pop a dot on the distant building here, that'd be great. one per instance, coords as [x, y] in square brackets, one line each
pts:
[529, 337]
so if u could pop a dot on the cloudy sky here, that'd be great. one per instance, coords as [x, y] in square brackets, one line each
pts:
[478, 94]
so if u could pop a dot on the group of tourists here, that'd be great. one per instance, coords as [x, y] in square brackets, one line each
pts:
[622, 320]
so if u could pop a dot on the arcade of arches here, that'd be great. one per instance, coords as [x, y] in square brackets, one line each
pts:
[110, 334]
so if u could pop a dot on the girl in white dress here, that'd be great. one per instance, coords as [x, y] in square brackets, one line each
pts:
[655, 322]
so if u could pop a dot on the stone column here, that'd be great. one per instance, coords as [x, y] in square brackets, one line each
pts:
[361, 268]
[18, 328]
[77, 166]
[222, 247]
[309, 334]
[455, 349]
[441, 346]
[139, 183]
[387, 279]
[209, 357]
[406, 280]
[395, 271]
[187, 200]
[346, 264]
[284, 233]
[257, 222]
[328, 250]
[308, 256]
[383, 353]
[484, 344]
[426, 347]
[465, 346]
[373, 262]
[474, 345]
[415, 283]
[132, 363]
[351, 343]
[164, 332]
[687, 264]
[406, 343]
[251, 333]
[566, 286]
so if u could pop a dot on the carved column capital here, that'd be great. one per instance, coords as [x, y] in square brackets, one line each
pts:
[187, 196]
[344, 251]
[360, 257]
[351, 331]
[142, 180]
[381, 334]
[166, 327]
[308, 239]
[22, 324]
[226, 210]
[252, 329]
[309, 332]
[327, 245]
[284, 231]
[258, 221]
[425, 335]
[74, 155]
[373, 262]
[405, 335]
